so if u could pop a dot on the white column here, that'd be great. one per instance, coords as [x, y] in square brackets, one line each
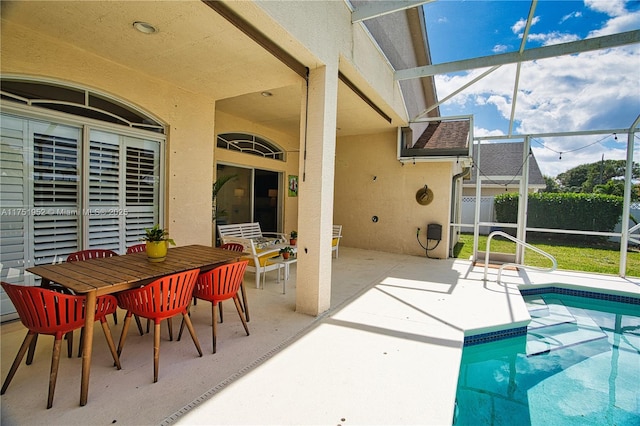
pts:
[316, 180]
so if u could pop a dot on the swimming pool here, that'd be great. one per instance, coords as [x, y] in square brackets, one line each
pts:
[578, 363]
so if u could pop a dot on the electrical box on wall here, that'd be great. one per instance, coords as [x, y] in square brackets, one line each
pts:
[434, 232]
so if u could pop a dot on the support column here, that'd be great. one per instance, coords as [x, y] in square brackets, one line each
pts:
[316, 182]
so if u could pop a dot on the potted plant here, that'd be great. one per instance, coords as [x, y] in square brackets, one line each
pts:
[157, 242]
[286, 252]
[293, 238]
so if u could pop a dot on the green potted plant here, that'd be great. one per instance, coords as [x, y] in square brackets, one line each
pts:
[286, 252]
[157, 241]
[293, 238]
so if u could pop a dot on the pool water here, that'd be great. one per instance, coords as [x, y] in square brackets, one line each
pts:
[578, 364]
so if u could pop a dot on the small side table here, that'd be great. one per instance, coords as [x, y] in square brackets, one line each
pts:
[285, 262]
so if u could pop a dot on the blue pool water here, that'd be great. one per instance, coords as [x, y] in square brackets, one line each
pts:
[578, 364]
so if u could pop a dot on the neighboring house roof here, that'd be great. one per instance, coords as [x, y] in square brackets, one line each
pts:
[504, 159]
[442, 138]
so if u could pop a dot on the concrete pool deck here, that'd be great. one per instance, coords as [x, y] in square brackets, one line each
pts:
[387, 352]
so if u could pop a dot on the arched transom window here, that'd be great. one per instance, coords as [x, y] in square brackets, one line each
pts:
[250, 144]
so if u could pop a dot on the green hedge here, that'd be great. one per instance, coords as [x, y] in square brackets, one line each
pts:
[565, 210]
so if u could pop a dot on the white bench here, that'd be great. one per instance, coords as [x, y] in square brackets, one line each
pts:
[261, 246]
[247, 230]
[335, 240]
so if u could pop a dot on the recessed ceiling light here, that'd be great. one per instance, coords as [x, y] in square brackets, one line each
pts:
[266, 94]
[145, 27]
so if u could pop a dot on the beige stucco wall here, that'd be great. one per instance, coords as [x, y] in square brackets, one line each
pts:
[189, 116]
[370, 181]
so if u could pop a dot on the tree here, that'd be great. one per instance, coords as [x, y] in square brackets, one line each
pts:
[585, 177]
[552, 185]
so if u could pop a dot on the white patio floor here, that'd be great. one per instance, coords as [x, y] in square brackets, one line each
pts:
[387, 352]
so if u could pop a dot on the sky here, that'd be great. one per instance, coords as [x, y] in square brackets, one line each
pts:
[598, 90]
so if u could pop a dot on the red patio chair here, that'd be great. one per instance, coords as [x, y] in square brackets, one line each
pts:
[220, 284]
[163, 299]
[138, 248]
[245, 307]
[86, 255]
[90, 254]
[45, 311]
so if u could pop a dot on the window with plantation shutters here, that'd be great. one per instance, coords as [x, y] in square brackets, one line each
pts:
[61, 192]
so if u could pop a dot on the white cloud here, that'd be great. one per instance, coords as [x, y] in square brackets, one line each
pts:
[551, 38]
[499, 48]
[626, 22]
[571, 16]
[609, 7]
[482, 132]
[595, 90]
[522, 23]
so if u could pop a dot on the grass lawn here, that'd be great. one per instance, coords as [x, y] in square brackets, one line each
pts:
[601, 258]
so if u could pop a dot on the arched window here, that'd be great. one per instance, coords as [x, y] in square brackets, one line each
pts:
[250, 144]
[76, 101]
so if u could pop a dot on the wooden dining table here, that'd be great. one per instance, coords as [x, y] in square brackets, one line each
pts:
[96, 277]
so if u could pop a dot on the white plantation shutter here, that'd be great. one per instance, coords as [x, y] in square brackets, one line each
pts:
[13, 188]
[55, 180]
[103, 221]
[142, 187]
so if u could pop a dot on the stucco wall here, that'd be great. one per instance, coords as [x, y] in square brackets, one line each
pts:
[370, 181]
[189, 116]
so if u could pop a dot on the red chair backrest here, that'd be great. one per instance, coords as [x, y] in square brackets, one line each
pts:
[232, 246]
[138, 248]
[90, 254]
[221, 283]
[45, 311]
[163, 298]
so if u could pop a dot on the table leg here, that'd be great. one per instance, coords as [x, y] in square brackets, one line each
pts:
[87, 347]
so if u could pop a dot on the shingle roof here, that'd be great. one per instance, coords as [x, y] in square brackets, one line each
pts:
[504, 159]
[441, 138]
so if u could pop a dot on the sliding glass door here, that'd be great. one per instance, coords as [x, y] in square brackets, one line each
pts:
[253, 195]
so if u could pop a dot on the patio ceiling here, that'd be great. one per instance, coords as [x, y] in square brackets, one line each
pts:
[196, 49]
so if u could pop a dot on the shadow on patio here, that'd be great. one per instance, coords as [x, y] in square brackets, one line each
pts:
[387, 352]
